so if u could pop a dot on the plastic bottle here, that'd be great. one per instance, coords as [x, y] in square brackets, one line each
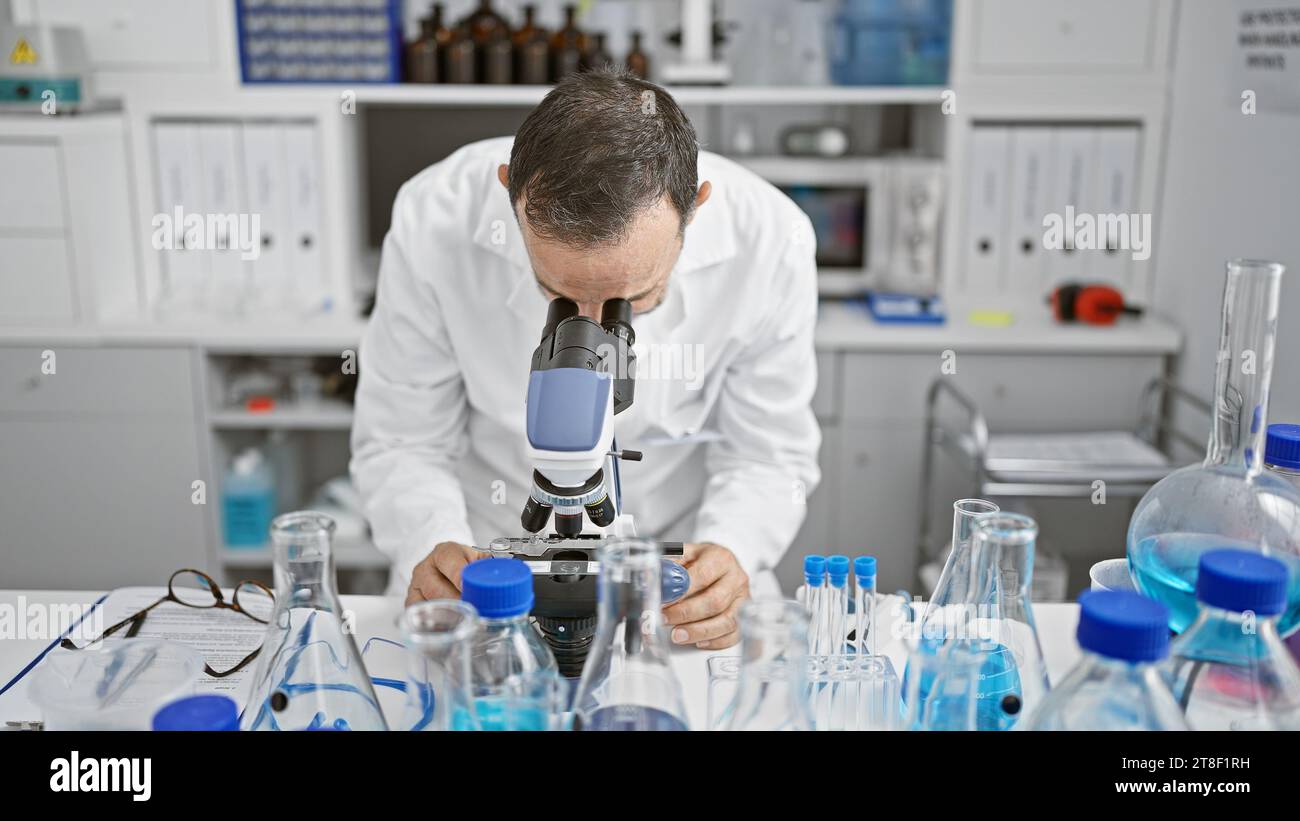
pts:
[209, 712]
[1117, 685]
[1282, 453]
[1229, 670]
[513, 672]
[247, 500]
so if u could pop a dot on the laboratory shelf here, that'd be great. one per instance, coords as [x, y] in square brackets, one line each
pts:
[325, 416]
[529, 95]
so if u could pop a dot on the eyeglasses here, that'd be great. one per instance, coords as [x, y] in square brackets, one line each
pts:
[194, 588]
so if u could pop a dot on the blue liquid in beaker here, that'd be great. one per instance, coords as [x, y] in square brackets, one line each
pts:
[998, 678]
[1164, 568]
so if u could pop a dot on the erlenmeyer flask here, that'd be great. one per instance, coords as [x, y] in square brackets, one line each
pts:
[1229, 501]
[309, 673]
[627, 682]
[773, 691]
[439, 635]
[983, 607]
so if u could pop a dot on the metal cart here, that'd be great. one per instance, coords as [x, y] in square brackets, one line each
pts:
[1059, 465]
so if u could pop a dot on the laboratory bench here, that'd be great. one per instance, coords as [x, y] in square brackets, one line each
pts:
[376, 616]
[133, 422]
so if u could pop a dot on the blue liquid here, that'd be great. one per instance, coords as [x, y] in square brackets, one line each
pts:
[998, 678]
[1164, 568]
[631, 717]
[496, 713]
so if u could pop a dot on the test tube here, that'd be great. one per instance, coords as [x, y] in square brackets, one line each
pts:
[837, 569]
[814, 575]
[864, 572]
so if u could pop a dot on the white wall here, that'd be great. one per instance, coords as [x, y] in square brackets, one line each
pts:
[1231, 189]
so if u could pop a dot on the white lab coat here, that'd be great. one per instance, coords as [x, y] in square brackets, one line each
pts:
[730, 440]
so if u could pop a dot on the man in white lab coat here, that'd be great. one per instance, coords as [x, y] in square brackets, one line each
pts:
[601, 194]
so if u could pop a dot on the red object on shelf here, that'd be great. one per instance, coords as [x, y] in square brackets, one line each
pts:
[259, 404]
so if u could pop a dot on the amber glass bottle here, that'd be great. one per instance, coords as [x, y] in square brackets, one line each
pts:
[638, 62]
[532, 50]
[568, 46]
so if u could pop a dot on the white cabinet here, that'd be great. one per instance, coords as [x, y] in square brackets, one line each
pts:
[32, 195]
[1097, 36]
[140, 34]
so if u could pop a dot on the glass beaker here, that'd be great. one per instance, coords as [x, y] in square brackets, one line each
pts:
[773, 691]
[941, 690]
[983, 606]
[309, 674]
[439, 635]
[627, 681]
[1228, 501]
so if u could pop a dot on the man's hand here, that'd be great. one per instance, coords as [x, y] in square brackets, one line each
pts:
[438, 575]
[708, 616]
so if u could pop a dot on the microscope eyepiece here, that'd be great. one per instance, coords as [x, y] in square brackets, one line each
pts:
[616, 318]
[561, 308]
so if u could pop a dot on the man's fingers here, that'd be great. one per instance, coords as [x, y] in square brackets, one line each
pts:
[721, 643]
[450, 563]
[707, 567]
[703, 604]
[713, 627]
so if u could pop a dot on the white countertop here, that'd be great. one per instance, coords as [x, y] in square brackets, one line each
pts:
[840, 326]
[377, 616]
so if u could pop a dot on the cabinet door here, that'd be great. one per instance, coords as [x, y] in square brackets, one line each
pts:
[1020, 35]
[876, 492]
[96, 479]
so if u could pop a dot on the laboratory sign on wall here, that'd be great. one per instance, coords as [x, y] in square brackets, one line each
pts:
[1265, 74]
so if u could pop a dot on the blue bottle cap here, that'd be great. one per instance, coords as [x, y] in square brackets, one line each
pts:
[1241, 580]
[864, 567]
[1121, 624]
[1282, 447]
[498, 588]
[206, 712]
[837, 567]
[814, 568]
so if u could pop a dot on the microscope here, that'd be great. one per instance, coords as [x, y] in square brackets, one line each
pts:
[582, 376]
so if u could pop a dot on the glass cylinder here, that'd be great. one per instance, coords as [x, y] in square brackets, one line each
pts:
[627, 681]
[1228, 501]
[773, 692]
[439, 635]
[309, 674]
[941, 690]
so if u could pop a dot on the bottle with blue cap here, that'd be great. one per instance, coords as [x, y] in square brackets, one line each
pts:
[1282, 452]
[513, 672]
[1117, 685]
[209, 712]
[1229, 670]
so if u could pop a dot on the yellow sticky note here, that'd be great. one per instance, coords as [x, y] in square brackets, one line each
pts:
[991, 319]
